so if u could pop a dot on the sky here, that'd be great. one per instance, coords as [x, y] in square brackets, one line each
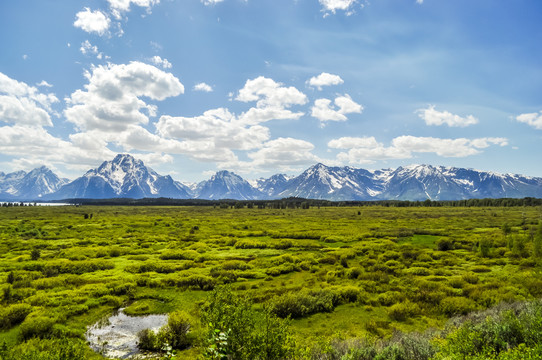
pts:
[261, 87]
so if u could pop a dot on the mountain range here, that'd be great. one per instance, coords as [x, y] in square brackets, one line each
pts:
[128, 177]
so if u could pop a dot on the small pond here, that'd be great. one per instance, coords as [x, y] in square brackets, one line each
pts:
[116, 336]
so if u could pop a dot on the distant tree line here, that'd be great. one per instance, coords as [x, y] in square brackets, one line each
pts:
[301, 203]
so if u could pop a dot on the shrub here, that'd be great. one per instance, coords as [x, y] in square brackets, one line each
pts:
[179, 255]
[457, 306]
[235, 265]
[237, 331]
[147, 340]
[40, 349]
[37, 326]
[303, 303]
[389, 298]
[177, 330]
[354, 273]
[35, 254]
[445, 244]
[403, 311]
[470, 278]
[201, 281]
[13, 315]
[418, 271]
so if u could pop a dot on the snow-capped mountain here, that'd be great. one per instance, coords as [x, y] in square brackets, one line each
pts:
[420, 182]
[33, 185]
[415, 182]
[227, 185]
[336, 183]
[124, 176]
[128, 177]
[273, 186]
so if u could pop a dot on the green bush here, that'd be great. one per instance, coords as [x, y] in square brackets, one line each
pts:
[303, 303]
[45, 349]
[148, 340]
[445, 244]
[202, 282]
[179, 255]
[236, 331]
[39, 326]
[177, 330]
[389, 298]
[457, 306]
[13, 315]
[403, 311]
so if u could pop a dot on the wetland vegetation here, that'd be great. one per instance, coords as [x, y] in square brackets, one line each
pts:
[353, 282]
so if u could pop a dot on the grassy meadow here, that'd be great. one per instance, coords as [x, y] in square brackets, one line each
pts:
[337, 273]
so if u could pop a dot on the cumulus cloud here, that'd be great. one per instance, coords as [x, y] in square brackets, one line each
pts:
[217, 126]
[324, 111]
[273, 100]
[88, 49]
[44, 83]
[366, 150]
[203, 87]
[282, 154]
[325, 79]
[112, 98]
[24, 104]
[35, 146]
[331, 6]
[120, 6]
[435, 117]
[211, 2]
[158, 61]
[92, 21]
[531, 119]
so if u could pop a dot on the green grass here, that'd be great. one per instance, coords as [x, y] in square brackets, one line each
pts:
[162, 259]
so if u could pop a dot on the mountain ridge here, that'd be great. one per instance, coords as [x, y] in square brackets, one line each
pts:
[128, 177]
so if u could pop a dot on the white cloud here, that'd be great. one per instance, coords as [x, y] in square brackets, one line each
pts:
[158, 61]
[120, 6]
[92, 21]
[112, 98]
[211, 2]
[282, 154]
[419, 1]
[334, 5]
[267, 92]
[272, 100]
[217, 126]
[435, 117]
[88, 49]
[325, 79]
[44, 83]
[203, 87]
[22, 111]
[34, 145]
[24, 104]
[531, 119]
[367, 150]
[324, 111]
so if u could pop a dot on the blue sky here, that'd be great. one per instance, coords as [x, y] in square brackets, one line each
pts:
[260, 86]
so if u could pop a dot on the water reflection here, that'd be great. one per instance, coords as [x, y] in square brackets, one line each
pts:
[116, 336]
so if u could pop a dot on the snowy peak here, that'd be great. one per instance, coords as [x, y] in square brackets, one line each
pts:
[33, 185]
[273, 185]
[124, 176]
[227, 185]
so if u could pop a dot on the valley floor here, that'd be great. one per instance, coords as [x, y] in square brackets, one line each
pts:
[339, 273]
